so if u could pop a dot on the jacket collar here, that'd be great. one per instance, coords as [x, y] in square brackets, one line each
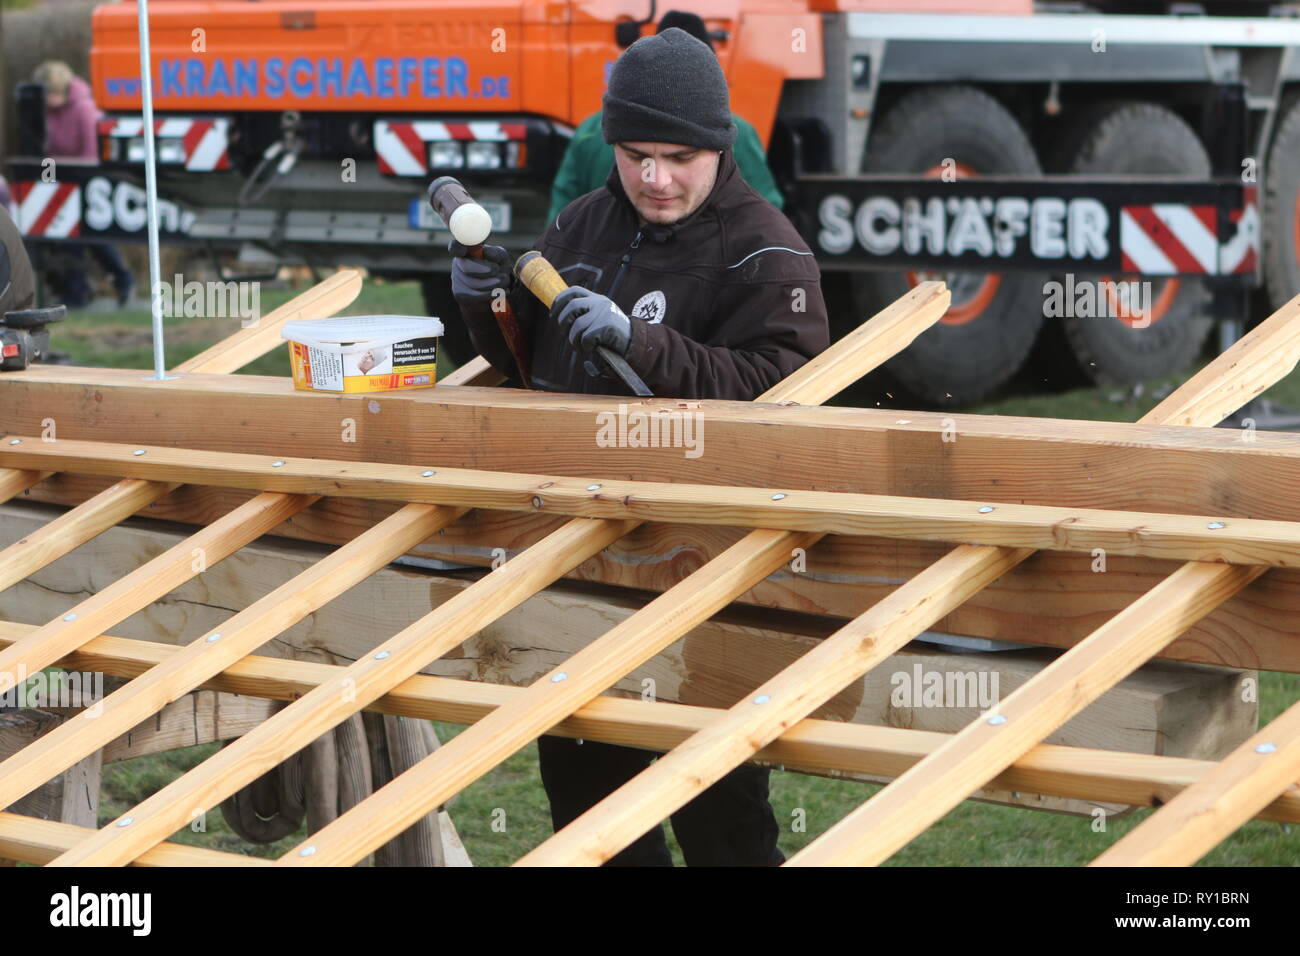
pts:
[727, 174]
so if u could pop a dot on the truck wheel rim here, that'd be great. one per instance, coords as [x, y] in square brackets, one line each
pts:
[1160, 305]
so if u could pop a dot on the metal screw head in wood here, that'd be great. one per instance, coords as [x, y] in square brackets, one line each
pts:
[593, 487]
[1266, 749]
[1215, 525]
[986, 509]
[427, 474]
[138, 452]
[997, 719]
[555, 679]
[277, 464]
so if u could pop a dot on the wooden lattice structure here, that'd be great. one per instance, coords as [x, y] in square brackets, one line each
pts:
[983, 494]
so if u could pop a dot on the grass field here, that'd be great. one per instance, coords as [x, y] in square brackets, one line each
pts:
[973, 834]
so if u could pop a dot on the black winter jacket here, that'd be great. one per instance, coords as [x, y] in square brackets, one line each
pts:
[724, 304]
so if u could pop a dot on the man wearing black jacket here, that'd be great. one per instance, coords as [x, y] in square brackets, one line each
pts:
[707, 291]
[17, 285]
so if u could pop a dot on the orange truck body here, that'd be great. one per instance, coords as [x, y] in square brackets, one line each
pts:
[543, 57]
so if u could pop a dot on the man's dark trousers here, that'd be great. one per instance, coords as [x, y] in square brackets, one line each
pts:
[729, 824]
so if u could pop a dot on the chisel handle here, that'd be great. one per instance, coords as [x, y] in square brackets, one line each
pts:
[544, 282]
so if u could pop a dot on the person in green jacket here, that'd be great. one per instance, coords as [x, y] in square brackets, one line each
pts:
[589, 158]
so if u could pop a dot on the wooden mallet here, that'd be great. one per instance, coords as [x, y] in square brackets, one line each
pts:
[470, 225]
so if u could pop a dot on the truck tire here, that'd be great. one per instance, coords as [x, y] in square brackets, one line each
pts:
[1282, 212]
[1140, 138]
[439, 302]
[993, 320]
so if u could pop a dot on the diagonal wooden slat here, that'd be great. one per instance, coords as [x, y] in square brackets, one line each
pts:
[209, 655]
[77, 526]
[903, 809]
[560, 693]
[142, 587]
[235, 351]
[350, 690]
[1206, 813]
[477, 371]
[443, 629]
[810, 746]
[845, 656]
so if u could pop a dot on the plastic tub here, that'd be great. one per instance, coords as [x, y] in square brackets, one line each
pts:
[364, 353]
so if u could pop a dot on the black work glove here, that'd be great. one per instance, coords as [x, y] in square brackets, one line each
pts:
[474, 281]
[592, 319]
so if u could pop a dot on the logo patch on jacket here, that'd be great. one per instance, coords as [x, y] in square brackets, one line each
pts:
[651, 307]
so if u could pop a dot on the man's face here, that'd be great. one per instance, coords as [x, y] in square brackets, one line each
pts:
[665, 181]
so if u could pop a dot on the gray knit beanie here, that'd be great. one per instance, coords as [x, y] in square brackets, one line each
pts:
[668, 88]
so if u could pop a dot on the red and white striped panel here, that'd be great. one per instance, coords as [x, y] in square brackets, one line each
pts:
[206, 141]
[52, 210]
[1169, 239]
[1241, 252]
[402, 146]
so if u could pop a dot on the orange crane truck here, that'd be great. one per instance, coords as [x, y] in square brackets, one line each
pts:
[1016, 148]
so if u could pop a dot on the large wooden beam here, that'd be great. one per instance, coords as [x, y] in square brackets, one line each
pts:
[1114, 466]
[1256, 629]
[1182, 537]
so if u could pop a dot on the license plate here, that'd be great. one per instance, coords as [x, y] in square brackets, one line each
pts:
[423, 217]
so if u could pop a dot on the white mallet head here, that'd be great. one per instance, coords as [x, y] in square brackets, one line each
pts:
[470, 224]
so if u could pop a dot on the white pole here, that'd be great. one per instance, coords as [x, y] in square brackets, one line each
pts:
[151, 192]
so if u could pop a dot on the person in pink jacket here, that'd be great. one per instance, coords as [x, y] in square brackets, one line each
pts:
[70, 120]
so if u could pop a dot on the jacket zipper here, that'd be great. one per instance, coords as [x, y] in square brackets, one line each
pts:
[627, 257]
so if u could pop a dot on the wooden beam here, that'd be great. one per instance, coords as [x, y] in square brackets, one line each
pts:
[242, 634]
[142, 587]
[1208, 812]
[1111, 466]
[810, 746]
[235, 351]
[1182, 537]
[1054, 598]
[75, 527]
[670, 783]
[444, 628]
